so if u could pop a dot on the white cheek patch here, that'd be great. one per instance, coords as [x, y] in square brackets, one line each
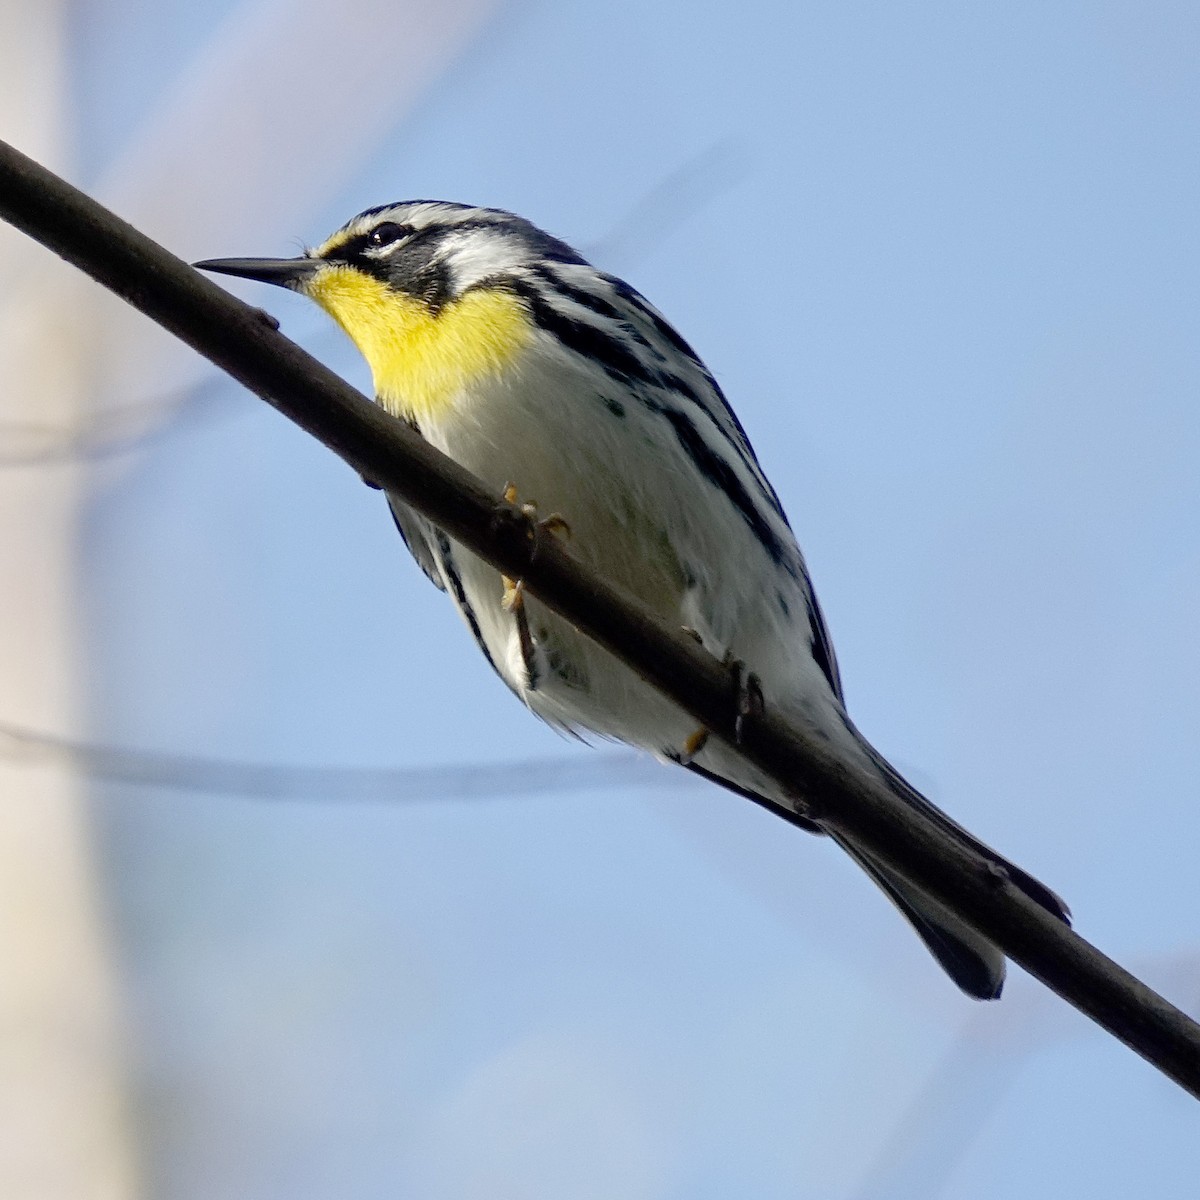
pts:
[475, 255]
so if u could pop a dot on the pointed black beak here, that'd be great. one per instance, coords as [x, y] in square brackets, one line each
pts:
[283, 272]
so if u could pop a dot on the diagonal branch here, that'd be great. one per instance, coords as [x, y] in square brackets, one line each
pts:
[244, 342]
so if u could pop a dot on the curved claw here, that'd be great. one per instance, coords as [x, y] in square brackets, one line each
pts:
[555, 524]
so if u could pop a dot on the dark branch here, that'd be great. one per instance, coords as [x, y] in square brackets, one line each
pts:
[238, 339]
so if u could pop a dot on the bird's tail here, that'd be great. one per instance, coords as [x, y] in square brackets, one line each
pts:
[967, 957]
[974, 963]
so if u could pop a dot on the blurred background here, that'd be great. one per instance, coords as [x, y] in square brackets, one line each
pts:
[296, 902]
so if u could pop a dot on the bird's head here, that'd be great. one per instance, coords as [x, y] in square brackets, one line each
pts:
[428, 291]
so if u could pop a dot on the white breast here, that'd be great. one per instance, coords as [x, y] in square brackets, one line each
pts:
[640, 513]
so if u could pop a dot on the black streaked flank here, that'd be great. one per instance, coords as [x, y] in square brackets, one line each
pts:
[624, 365]
[610, 312]
[597, 304]
[822, 644]
[662, 327]
[587, 340]
[719, 473]
[672, 336]
[454, 579]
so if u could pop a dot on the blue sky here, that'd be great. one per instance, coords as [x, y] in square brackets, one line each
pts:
[943, 260]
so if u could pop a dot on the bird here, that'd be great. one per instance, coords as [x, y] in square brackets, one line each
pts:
[565, 390]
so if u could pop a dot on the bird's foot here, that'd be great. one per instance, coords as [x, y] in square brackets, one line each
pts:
[513, 598]
[748, 702]
[555, 523]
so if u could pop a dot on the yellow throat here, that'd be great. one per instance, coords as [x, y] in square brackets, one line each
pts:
[422, 361]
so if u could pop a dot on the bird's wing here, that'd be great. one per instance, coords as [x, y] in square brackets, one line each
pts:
[822, 643]
[966, 956]
[418, 535]
[435, 554]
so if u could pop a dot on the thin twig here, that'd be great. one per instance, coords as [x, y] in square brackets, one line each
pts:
[176, 772]
[239, 339]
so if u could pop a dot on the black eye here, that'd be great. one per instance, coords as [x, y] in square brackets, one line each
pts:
[388, 234]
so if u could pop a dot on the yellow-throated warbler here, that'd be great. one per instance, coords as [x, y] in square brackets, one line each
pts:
[509, 352]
